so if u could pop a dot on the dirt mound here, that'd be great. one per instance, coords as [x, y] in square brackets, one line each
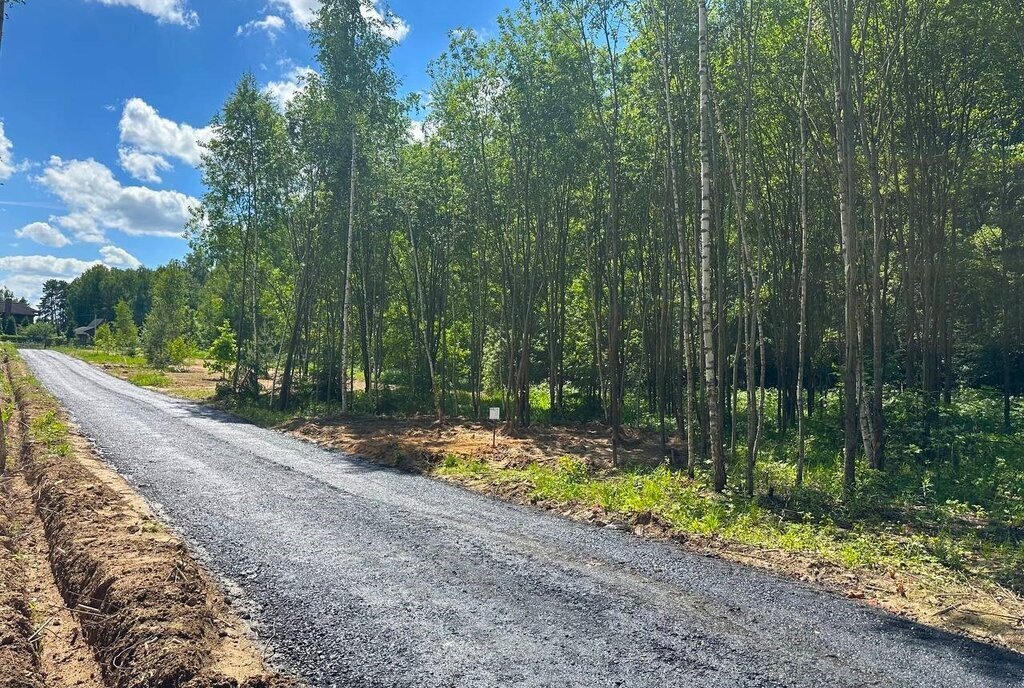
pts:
[17, 656]
[152, 616]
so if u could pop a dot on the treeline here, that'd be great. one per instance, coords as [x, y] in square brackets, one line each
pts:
[699, 217]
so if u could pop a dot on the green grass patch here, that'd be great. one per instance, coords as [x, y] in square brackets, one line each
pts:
[150, 378]
[259, 414]
[691, 508]
[101, 357]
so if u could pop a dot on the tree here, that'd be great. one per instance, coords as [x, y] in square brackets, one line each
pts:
[706, 269]
[246, 170]
[352, 47]
[54, 306]
[105, 339]
[3, 14]
[166, 321]
[124, 331]
[822, 207]
[221, 354]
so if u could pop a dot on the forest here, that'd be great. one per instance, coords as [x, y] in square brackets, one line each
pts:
[717, 222]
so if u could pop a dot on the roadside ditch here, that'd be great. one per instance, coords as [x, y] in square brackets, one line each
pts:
[94, 590]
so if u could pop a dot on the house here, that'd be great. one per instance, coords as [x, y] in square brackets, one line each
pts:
[88, 333]
[20, 312]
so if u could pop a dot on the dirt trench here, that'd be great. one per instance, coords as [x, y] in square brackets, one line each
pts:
[120, 603]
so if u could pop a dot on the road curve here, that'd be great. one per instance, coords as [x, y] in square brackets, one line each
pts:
[365, 576]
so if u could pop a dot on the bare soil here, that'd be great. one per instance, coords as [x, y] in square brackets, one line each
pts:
[17, 654]
[150, 614]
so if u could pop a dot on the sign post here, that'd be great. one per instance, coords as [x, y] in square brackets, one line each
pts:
[494, 416]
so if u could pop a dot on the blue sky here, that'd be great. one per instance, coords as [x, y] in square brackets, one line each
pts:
[102, 103]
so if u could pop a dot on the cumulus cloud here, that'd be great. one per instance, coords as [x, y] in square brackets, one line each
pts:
[46, 265]
[117, 257]
[143, 166]
[25, 275]
[282, 92]
[96, 201]
[7, 166]
[390, 25]
[271, 24]
[303, 12]
[165, 11]
[43, 233]
[144, 131]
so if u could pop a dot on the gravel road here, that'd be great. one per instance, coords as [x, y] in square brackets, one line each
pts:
[365, 576]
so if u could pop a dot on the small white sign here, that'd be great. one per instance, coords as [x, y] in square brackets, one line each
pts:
[495, 413]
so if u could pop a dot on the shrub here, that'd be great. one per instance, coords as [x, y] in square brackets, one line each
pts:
[105, 340]
[179, 350]
[221, 354]
[41, 332]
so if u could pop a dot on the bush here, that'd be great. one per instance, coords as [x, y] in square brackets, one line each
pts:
[41, 332]
[179, 350]
[221, 355]
[104, 339]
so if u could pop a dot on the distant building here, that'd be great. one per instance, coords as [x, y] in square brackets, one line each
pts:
[88, 333]
[21, 313]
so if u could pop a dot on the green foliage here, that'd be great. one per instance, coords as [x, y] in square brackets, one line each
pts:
[166, 321]
[220, 357]
[54, 306]
[150, 378]
[96, 292]
[104, 339]
[124, 331]
[179, 350]
[100, 357]
[41, 332]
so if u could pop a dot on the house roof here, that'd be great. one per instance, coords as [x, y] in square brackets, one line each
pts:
[12, 307]
[91, 327]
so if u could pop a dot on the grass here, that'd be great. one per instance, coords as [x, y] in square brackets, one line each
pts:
[150, 378]
[138, 371]
[98, 357]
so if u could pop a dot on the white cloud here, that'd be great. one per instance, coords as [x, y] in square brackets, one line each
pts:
[143, 130]
[45, 265]
[25, 275]
[7, 166]
[117, 257]
[390, 25]
[165, 11]
[96, 201]
[43, 233]
[143, 166]
[271, 24]
[283, 91]
[303, 12]
[416, 132]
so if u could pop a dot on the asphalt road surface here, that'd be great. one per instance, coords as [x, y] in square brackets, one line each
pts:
[365, 576]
